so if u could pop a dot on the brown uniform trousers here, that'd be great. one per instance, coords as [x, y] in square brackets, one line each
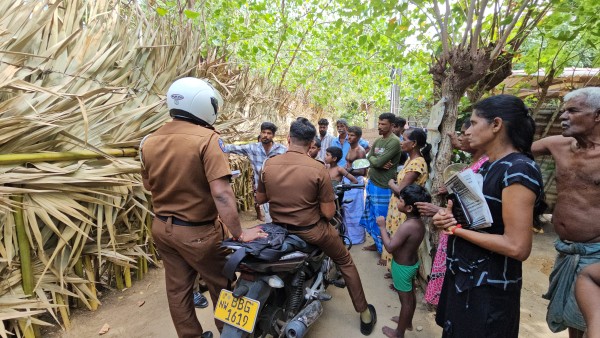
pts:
[327, 239]
[179, 161]
[187, 251]
[301, 208]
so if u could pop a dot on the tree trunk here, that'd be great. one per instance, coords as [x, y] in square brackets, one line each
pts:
[444, 154]
[452, 94]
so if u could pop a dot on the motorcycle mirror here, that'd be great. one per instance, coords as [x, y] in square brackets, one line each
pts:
[362, 163]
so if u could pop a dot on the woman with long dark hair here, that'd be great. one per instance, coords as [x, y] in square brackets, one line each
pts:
[416, 170]
[438, 269]
[482, 287]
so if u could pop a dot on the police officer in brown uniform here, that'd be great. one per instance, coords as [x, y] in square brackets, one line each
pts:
[188, 174]
[306, 212]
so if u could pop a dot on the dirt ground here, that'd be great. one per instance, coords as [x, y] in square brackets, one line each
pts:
[121, 310]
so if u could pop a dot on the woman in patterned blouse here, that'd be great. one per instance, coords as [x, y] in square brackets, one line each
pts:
[415, 170]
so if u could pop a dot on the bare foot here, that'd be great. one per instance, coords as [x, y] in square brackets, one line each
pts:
[387, 275]
[395, 319]
[382, 262]
[371, 247]
[388, 332]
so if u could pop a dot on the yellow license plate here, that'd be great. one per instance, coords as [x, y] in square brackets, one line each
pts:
[239, 312]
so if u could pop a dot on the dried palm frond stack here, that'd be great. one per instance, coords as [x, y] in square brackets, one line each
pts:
[81, 82]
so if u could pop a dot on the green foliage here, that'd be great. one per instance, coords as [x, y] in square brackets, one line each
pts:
[337, 51]
[342, 51]
[568, 37]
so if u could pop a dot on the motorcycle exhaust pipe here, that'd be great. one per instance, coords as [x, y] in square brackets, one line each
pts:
[298, 326]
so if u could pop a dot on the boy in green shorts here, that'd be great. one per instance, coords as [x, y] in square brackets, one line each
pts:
[403, 246]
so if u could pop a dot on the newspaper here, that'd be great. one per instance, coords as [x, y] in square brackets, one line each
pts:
[468, 190]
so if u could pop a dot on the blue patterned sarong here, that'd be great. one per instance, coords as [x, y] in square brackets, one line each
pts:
[353, 211]
[376, 205]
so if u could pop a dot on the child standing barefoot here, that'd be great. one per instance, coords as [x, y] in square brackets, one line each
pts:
[403, 246]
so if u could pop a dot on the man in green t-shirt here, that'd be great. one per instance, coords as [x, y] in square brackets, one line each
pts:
[385, 149]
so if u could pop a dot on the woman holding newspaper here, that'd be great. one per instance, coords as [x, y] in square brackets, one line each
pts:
[482, 288]
[438, 269]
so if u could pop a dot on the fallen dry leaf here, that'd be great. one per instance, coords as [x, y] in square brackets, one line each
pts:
[104, 329]
[140, 303]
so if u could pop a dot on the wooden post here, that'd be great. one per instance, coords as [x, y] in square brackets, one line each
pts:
[63, 310]
[91, 276]
[24, 248]
[118, 270]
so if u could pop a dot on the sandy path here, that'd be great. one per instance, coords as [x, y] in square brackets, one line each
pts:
[121, 311]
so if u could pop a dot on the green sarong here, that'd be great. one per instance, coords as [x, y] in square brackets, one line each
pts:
[563, 310]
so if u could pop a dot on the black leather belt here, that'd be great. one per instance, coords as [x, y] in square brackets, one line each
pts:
[298, 228]
[181, 222]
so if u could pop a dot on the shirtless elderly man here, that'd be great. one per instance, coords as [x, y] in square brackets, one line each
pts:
[576, 214]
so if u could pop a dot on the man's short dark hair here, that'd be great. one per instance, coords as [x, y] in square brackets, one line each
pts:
[268, 126]
[317, 142]
[388, 116]
[342, 121]
[302, 132]
[335, 152]
[323, 122]
[400, 121]
[355, 130]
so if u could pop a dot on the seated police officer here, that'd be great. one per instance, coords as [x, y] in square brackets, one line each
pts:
[306, 212]
[187, 172]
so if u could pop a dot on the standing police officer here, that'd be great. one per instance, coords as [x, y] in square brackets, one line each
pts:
[187, 172]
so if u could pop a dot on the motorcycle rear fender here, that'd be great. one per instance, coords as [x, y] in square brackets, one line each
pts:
[258, 290]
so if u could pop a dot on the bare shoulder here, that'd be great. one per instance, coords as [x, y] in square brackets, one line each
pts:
[552, 145]
[413, 227]
[362, 150]
[557, 141]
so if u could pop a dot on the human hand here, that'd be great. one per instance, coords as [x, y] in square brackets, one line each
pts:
[427, 209]
[391, 182]
[444, 218]
[248, 235]
[388, 165]
[381, 222]
[454, 140]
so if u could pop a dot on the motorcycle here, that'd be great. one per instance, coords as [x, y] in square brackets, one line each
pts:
[281, 298]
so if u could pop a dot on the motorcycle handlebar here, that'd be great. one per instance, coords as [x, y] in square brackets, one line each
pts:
[346, 187]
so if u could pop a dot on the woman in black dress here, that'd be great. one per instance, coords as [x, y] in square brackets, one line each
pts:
[482, 289]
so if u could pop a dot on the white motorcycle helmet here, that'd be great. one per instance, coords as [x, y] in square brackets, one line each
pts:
[194, 99]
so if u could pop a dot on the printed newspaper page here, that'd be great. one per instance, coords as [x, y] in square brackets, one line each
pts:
[467, 186]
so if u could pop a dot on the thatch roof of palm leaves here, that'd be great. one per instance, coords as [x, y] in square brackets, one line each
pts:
[81, 82]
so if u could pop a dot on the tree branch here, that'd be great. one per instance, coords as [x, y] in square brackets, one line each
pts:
[475, 37]
[469, 23]
[502, 41]
[443, 27]
[299, 45]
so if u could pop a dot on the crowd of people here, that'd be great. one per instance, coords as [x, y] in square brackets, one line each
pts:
[476, 278]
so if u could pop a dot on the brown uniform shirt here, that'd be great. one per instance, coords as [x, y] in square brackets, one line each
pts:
[180, 159]
[295, 185]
